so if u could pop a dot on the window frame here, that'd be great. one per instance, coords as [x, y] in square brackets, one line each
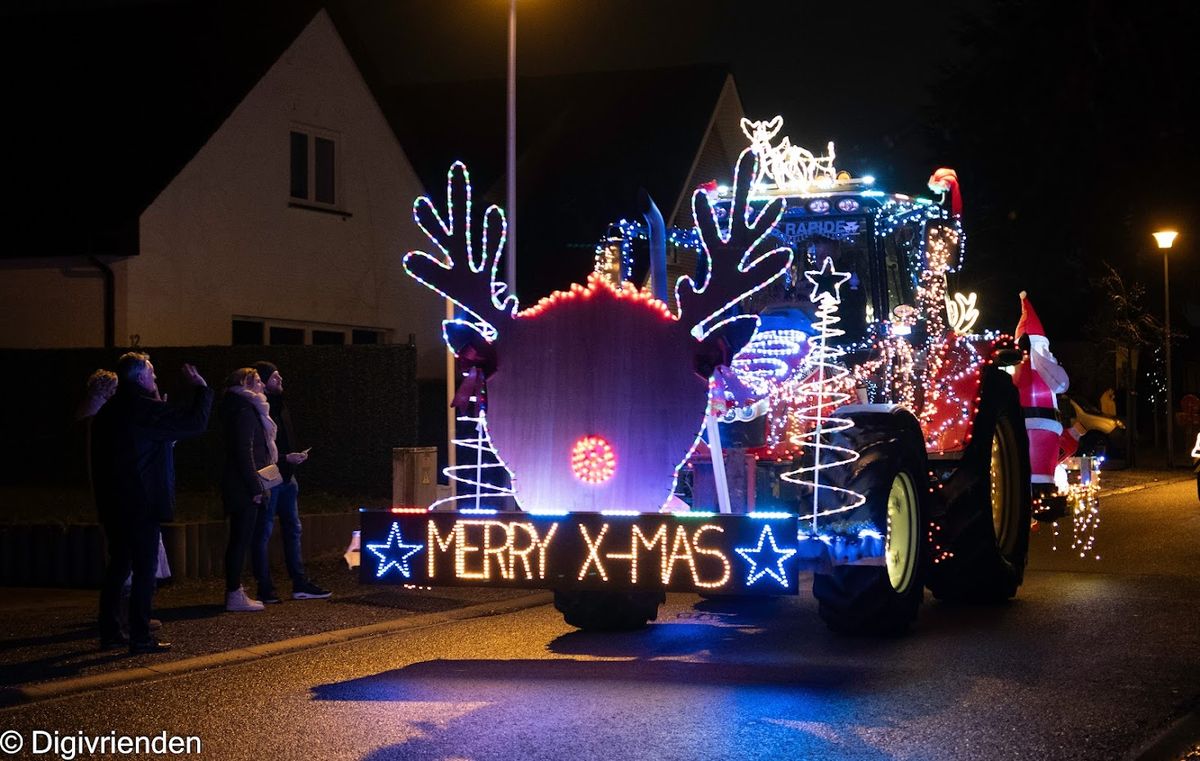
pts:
[309, 201]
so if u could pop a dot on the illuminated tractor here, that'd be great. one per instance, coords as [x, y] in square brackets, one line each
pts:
[888, 449]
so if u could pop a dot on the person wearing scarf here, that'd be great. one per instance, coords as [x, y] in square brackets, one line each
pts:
[249, 435]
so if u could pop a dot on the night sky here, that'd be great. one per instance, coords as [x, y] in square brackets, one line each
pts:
[834, 71]
[1070, 123]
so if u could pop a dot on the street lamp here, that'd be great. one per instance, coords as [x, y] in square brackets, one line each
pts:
[510, 254]
[1165, 239]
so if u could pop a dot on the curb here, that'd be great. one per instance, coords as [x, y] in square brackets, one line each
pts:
[1127, 489]
[23, 696]
[1173, 743]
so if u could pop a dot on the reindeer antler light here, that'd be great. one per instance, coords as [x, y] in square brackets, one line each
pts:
[737, 264]
[474, 287]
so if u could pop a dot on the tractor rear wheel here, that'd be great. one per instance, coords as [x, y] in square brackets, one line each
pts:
[983, 539]
[608, 611]
[891, 474]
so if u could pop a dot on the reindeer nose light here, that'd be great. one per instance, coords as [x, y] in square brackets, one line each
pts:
[593, 460]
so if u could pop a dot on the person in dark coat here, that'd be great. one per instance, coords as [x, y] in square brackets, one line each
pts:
[283, 502]
[249, 447]
[133, 471]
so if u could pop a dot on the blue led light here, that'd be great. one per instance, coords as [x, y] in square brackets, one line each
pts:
[402, 553]
[753, 556]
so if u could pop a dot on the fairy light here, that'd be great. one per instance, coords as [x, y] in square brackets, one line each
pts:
[593, 460]
[452, 240]
[506, 555]
[625, 292]
[961, 313]
[789, 168]
[825, 392]
[614, 251]
[469, 474]
[593, 550]
[1083, 498]
[736, 264]
[394, 553]
[772, 567]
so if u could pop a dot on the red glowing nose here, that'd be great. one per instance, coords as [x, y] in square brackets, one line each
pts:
[593, 460]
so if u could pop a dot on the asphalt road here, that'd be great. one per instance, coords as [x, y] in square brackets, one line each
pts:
[1093, 659]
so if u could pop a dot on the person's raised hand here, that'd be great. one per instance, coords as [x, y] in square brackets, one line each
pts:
[296, 458]
[192, 375]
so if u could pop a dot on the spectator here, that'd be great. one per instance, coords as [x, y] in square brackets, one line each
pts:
[133, 467]
[282, 502]
[249, 449]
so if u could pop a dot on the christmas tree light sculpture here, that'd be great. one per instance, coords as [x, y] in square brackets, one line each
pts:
[481, 479]
[825, 390]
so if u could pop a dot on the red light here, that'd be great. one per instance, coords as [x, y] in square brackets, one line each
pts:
[593, 460]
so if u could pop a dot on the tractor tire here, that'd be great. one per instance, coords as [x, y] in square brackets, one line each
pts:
[891, 473]
[983, 539]
[608, 611]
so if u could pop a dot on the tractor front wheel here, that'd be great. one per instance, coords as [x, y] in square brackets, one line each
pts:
[891, 474]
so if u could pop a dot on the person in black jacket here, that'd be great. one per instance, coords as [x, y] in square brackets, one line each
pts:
[249, 447]
[283, 502]
[133, 471]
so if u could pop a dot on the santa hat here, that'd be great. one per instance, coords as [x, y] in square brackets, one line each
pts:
[1029, 324]
[946, 179]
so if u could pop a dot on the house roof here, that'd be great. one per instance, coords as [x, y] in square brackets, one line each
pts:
[586, 143]
[105, 106]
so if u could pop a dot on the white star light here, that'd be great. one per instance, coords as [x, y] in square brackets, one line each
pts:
[778, 573]
[404, 552]
[826, 281]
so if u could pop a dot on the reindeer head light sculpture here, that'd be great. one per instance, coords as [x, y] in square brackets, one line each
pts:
[596, 395]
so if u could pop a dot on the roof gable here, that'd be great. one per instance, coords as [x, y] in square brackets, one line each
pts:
[114, 103]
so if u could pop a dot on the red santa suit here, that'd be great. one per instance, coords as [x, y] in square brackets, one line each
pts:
[1039, 378]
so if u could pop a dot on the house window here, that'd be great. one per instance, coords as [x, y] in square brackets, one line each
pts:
[287, 336]
[314, 167]
[329, 337]
[247, 333]
[367, 337]
[259, 331]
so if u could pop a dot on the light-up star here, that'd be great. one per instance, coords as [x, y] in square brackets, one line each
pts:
[826, 281]
[399, 558]
[754, 556]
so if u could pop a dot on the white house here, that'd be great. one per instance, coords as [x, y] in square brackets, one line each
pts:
[287, 225]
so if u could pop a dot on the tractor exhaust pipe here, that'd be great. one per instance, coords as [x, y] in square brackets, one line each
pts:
[658, 244]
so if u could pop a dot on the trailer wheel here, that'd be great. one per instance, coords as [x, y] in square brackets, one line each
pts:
[608, 611]
[890, 473]
[983, 540]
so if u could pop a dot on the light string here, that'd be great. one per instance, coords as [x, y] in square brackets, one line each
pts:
[823, 393]
[472, 488]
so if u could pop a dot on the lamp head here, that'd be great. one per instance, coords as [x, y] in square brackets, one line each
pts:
[1165, 238]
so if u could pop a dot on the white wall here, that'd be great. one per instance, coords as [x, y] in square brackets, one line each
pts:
[51, 303]
[221, 240]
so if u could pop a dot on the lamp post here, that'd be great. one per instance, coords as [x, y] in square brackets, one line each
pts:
[510, 253]
[1165, 239]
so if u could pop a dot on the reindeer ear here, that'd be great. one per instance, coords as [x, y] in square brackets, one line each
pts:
[467, 342]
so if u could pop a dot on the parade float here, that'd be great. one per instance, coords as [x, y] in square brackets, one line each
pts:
[808, 399]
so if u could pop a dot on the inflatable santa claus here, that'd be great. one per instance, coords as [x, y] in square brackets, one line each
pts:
[1039, 378]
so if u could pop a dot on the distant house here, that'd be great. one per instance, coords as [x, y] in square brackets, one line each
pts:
[202, 178]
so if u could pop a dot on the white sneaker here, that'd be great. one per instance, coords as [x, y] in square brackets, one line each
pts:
[238, 601]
